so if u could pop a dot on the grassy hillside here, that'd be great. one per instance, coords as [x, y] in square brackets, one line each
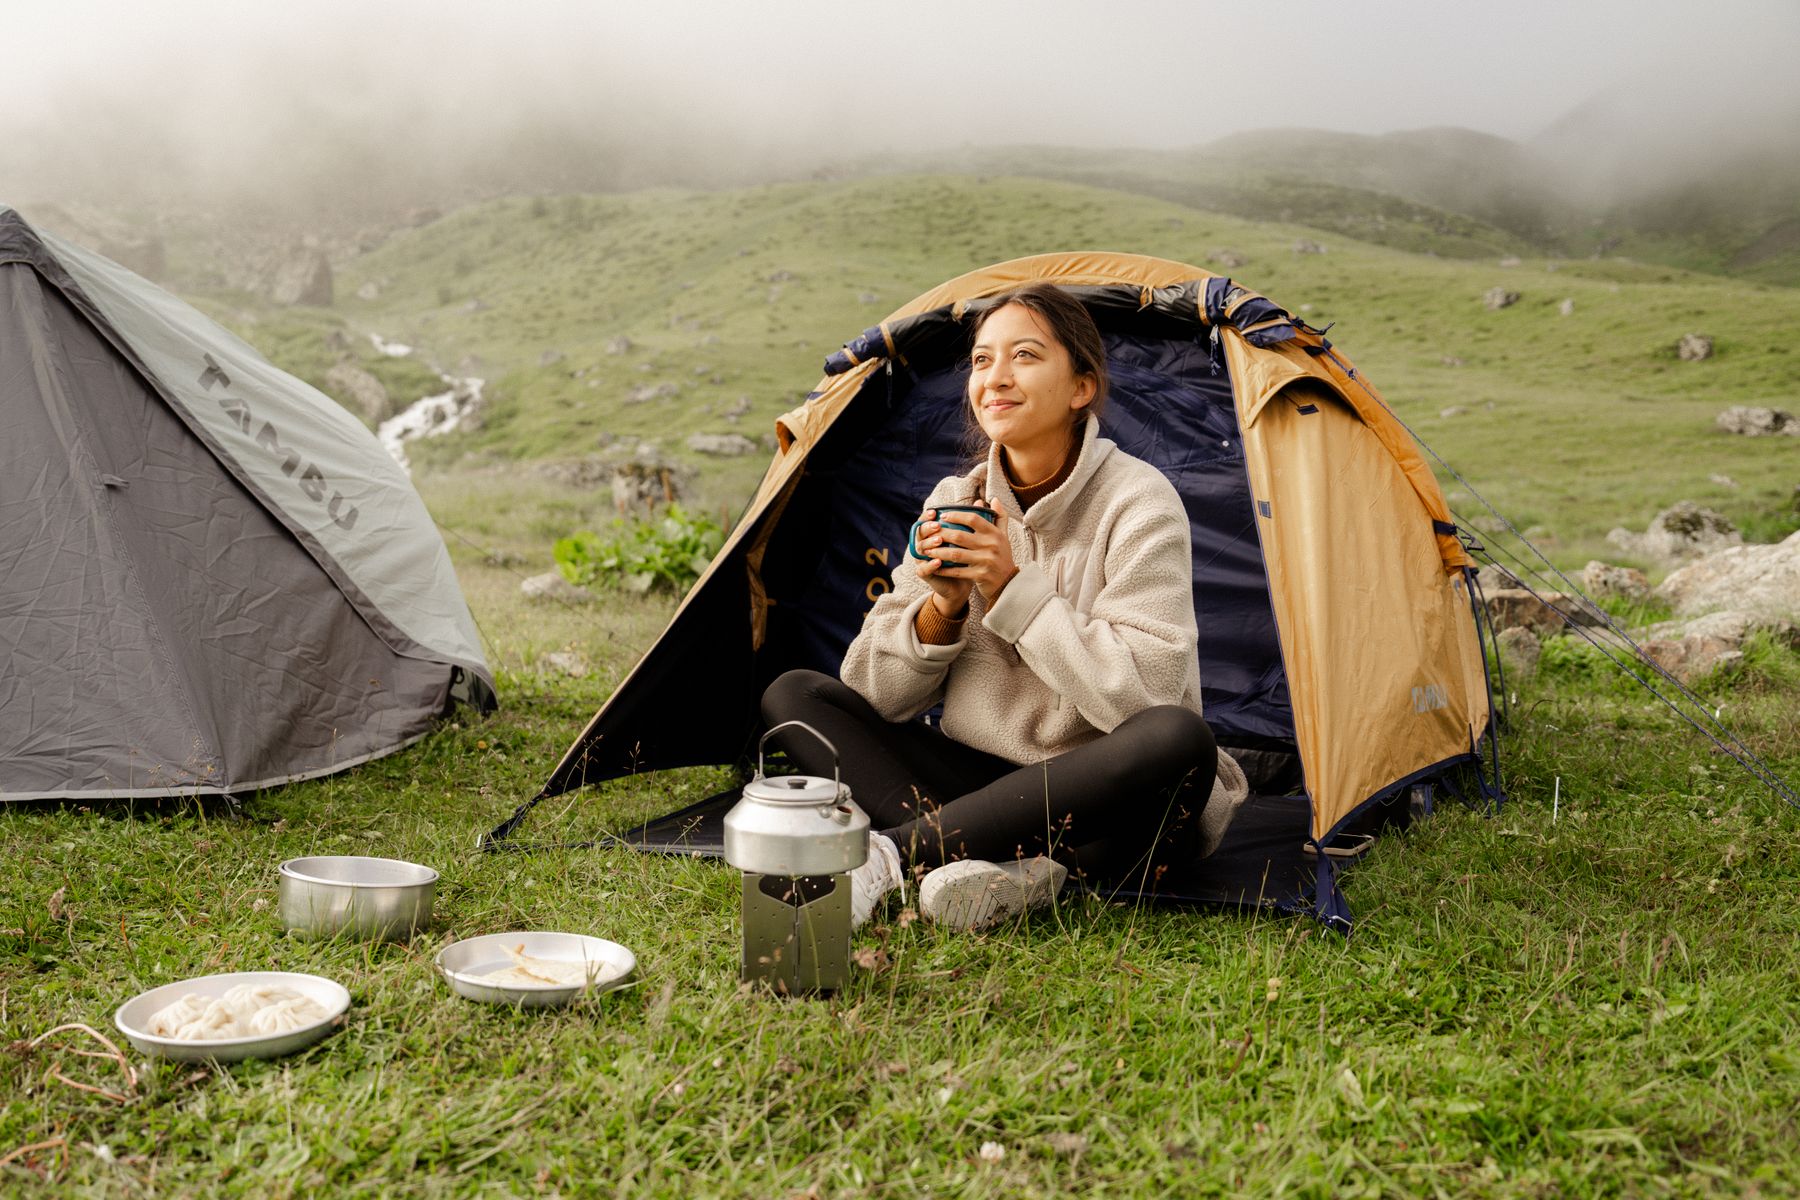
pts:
[742, 294]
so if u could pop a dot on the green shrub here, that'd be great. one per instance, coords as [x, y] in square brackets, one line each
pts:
[642, 555]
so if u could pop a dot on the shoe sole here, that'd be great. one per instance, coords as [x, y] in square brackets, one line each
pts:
[972, 895]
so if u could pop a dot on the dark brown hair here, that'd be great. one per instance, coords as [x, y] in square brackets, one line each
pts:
[1066, 320]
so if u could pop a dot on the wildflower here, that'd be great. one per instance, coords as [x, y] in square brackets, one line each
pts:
[992, 1152]
[1274, 989]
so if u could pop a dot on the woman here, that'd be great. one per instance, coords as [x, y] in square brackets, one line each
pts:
[1059, 637]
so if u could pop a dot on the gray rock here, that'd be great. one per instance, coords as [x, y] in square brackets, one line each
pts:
[1690, 649]
[1694, 347]
[1511, 607]
[1751, 421]
[551, 587]
[1455, 410]
[1497, 298]
[1761, 580]
[619, 345]
[1520, 648]
[1724, 481]
[1679, 533]
[721, 445]
[1231, 260]
[1567, 307]
[1493, 577]
[564, 662]
[303, 277]
[347, 381]
[652, 391]
[739, 408]
[1602, 580]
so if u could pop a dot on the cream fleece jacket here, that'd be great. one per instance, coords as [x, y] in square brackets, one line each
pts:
[1097, 625]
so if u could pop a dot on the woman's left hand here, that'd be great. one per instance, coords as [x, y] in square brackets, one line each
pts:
[984, 551]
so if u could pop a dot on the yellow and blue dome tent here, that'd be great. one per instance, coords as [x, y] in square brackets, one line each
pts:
[1339, 650]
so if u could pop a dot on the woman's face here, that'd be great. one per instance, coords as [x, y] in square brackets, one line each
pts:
[1022, 384]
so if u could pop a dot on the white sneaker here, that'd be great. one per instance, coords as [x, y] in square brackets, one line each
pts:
[971, 894]
[880, 874]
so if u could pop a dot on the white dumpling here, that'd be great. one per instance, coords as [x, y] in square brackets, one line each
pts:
[285, 1016]
[215, 1021]
[168, 1020]
[246, 999]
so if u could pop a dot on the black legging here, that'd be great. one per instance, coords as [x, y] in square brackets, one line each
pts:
[1107, 808]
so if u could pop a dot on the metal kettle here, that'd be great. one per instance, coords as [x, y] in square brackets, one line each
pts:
[796, 838]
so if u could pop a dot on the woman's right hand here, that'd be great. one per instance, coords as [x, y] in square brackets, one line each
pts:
[949, 594]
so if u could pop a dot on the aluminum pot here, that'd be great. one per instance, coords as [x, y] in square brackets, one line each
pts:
[363, 897]
[796, 824]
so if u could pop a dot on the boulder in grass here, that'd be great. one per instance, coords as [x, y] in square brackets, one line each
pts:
[1519, 650]
[1749, 420]
[1690, 649]
[1497, 298]
[347, 381]
[1510, 608]
[1680, 533]
[303, 277]
[565, 662]
[551, 587]
[721, 445]
[1603, 580]
[1694, 347]
[1762, 580]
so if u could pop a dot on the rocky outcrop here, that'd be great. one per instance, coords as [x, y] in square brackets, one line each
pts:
[366, 395]
[1762, 580]
[302, 277]
[1688, 650]
[1602, 581]
[721, 445]
[552, 588]
[1497, 298]
[1510, 608]
[1750, 421]
[1519, 651]
[1679, 533]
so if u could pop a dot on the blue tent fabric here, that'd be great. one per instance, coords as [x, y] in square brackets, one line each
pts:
[1168, 406]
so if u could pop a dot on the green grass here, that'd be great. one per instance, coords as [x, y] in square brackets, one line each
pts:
[1591, 997]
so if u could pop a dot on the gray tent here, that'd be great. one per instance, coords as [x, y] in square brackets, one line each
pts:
[212, 577]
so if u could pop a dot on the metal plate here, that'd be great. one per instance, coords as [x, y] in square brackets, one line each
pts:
[465, 964]
[134, 1015]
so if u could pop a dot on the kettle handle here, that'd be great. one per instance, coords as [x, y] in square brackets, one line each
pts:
[836, 781]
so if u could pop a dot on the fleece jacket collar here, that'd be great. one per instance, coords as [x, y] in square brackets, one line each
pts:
[1095, 450]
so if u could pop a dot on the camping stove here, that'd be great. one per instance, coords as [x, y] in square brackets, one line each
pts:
[796, 838]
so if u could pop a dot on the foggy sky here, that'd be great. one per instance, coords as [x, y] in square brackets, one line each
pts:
[102, 92]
